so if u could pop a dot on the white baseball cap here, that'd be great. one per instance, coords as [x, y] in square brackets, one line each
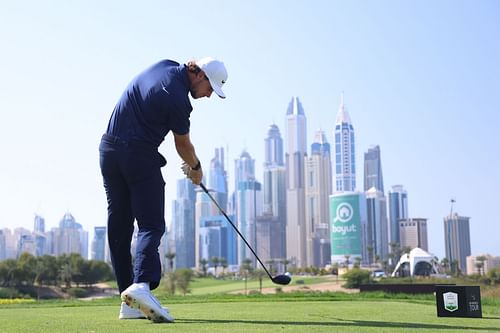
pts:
[216, 73]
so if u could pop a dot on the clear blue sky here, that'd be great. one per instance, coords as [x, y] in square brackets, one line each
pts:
[421, 79]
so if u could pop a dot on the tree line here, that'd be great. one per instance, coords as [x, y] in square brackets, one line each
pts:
[62, 271]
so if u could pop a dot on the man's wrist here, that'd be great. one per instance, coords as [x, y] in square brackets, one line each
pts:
[197, 166]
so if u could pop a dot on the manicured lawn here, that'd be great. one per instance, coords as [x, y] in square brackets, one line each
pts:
[202, 286]
[253, 314]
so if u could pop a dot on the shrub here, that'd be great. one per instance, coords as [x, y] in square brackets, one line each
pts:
[355, 277]
[9, 293]
[77, 292]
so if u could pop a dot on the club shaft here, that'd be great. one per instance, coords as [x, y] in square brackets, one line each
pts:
[239, 233]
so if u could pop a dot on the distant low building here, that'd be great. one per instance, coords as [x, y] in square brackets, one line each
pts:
[481, 264]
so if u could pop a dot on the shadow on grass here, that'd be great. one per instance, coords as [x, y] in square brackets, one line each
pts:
[338, 322]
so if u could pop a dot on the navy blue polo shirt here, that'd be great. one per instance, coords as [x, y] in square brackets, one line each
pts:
[154, 103]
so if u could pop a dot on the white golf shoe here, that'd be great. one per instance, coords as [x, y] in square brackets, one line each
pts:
[138, 296]
[126, 312]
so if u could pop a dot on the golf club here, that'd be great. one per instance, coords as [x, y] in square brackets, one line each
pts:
[279, 279]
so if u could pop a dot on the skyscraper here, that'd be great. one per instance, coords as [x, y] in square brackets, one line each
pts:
[3, 246]
[318, 187]
[345, 166]
[248, 205]
[457, 239]
[218, 178]
[39, 236]
[271, 227]
[296, 150]
[99, 244]
[398, 209]
[373, 170]
[377, 244]
[183, 209]
[273, 147]
[39, 224]
[69, 237]
[413, 233]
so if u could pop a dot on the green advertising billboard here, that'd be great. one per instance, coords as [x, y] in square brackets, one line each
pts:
[345, 225]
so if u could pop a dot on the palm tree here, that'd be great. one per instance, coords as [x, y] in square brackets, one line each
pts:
[260, 274]
[223, 263]
[445, 263]
[215, 261]
[170, 257]
[285, 264]
[203, 264]
[346, 263]
[480, 260]
[370, 249]
[246, 269]
[270, 263]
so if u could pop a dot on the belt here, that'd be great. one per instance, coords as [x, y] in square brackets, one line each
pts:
[116, 140]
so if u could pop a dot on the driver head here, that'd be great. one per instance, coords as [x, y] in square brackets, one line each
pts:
[282, 279]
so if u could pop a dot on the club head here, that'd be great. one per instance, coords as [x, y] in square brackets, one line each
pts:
[283, 279]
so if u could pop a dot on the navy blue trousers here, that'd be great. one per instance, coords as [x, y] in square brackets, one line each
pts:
[135, 190]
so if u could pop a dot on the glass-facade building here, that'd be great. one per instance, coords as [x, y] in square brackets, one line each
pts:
[345, 162]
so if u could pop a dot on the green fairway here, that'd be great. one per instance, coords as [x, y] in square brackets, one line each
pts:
[202, 286]
[264, 315]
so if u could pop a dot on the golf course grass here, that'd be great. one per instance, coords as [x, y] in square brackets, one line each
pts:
[209, 308]
[276, 313]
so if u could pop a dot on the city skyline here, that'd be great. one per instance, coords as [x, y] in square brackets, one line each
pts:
[420, 80]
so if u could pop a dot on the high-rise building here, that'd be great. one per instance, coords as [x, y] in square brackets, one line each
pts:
[398, 209]
[271, 226]
[217, 239]
[457, 239]
[99, 244]
[413, 233]
[39, 236]
[218, 178]
[183, 224]
[373, 170]
[296, 150]
[376, 227]
[39, 224]
[248, 205]
[3, 246]
[345, 164]
[318, 187]
[26, 244]
[69, 237]
[273, 147]
[348, 226]
[11, 240]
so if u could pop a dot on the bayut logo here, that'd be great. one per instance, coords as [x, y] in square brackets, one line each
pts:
[450, 301]
[344, 214]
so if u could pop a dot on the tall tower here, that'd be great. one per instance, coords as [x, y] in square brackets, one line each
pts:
[398, 209]
[457, 239]
[296, 150]
[376, 226]
[248, 205]
[318, 181]
[413, 232]
[345, 166]
[98, 248]
[271, 227]
[373, 170]
[218, 178]
[184, 229]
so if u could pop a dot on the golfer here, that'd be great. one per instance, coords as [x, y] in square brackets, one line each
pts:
[154, 103]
